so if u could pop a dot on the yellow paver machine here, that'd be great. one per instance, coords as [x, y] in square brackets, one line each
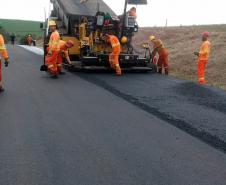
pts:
[86, 21]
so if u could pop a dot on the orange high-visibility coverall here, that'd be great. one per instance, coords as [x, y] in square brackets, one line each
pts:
[133, 13]
[202, 61]
[63, 54]
[114, 56]
[29, 40]
[54, 50]
[163, 60]
[4, 54]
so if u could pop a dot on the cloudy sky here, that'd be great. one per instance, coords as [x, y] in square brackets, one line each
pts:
[177, 12]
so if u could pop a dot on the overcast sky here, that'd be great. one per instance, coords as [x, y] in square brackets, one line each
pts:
[185, 12]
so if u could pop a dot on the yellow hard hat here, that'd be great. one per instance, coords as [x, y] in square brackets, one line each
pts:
[152, 37]
[52, 23]
[124, 40]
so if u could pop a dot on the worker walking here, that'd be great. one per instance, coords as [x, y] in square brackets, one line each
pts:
[29, 40]
[64, 47]
[114, 55]
[53, 49]
[203, 57]
[163, 61]
[12, 37]
[5, 55]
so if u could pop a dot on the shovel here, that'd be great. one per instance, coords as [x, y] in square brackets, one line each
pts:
[44, 67]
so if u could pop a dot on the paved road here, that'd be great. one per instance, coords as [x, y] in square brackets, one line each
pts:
[200, 111]
[73, 132]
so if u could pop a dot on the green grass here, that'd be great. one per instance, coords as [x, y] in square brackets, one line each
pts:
[21, 28]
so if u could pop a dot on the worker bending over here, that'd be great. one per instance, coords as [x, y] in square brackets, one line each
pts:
[163, 60]
[5, 55]
[203, 57]
[114, 55]
[64, 47]
[53, 49]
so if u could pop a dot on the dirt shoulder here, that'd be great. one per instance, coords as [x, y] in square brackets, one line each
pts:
[182, 42]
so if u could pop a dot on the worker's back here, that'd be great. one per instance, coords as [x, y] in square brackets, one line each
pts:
[63, 45]
[2, 43]
[3, 50]
[204, 50]
[114, 42]
[63, 49]
[158, 45]
[54, 41]
[4, 54]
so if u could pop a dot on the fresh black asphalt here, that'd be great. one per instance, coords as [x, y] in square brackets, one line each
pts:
[198, 110]
[81, 129]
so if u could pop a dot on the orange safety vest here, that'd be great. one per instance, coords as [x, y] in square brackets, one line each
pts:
[157, 43]
[115, 44]
[3, 50]
[54, 41]
[63, 48]
[159, 48]
[29, 38]
[204, 50]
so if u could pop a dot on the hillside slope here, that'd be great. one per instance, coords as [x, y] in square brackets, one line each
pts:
[182, 42]
[20, 27]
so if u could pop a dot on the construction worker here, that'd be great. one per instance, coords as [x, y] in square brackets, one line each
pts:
[163, 60]
[203, 57]
[114, 55]
[12, 37]
[133, 12]
[53, 49]
[5, 55]
[29, 40]
[107, 19]
[64, 47]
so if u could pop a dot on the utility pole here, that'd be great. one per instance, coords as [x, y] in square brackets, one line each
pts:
[98, 6]
[125, 7]
[123, 18]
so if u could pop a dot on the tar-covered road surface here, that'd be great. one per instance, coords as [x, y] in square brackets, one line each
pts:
[75, 131]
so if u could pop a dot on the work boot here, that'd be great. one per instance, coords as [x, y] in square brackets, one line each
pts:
[160, 70]
[54, 76]
[2, 89]
[118, 71]
[62, 73]
[166, 71]
[202, 82]
[112, 65]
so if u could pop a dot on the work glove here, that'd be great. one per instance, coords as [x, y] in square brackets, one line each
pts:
[50, 53]
[69, 62]
[62, 54]
[7, 61]
[196, 53]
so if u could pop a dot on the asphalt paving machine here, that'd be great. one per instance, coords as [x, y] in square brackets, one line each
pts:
[85, 22]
